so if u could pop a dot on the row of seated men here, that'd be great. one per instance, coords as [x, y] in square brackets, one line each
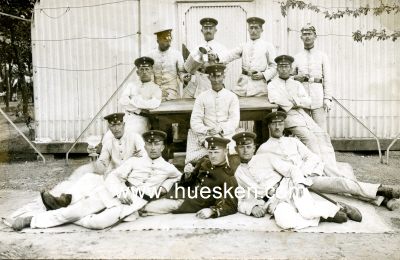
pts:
[283, 178]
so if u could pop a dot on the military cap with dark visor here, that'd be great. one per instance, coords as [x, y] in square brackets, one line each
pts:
[217, 68]
[255, 20]
[243, 138]
[154, 136]
[115, 118]
[215, 143]
[277, 116]
[207, 21]
[144, 62]
[284, 59]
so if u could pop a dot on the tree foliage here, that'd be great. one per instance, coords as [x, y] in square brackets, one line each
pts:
[356, 12]
[15, 43]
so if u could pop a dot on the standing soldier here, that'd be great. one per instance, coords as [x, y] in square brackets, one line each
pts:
[258, 66]
[168, 66]
[200, 82]
[311, 67]
[146, 95]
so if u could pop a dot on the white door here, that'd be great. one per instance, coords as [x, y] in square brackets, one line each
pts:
[231, 29]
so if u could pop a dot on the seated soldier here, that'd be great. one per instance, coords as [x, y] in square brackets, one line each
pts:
[266, 191]
[202, 191]
[118, 147]
[216, 112]
[263, 173]
[125, 190]
[138, 96]
[290, 96]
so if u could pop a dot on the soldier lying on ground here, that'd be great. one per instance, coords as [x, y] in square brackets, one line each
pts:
[125, 190]
[208, 191]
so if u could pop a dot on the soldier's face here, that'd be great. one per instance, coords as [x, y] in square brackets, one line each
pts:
[276, 129]
[246, 151]
[163, 44]
[308, 37]
[218, 156]
[217, 81]
[255, 31]
[117, 129]
[284, 70]
[208, 32]
[145, 73]
[154, 149]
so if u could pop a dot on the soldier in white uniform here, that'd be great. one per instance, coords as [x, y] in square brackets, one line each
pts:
[216, 112]
[125, 190]
[311, 67]
[286, 157]
[266, 191]
[290, 96]
[117, 148]
[258, 66]
[168, 66]
[138, 96]
[200, 82]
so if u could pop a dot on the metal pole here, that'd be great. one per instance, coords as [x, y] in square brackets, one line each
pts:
[98, 113]
[390, 146]
[359, 121]
[20, 132]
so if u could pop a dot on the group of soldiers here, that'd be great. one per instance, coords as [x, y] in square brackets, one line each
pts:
[285, 177]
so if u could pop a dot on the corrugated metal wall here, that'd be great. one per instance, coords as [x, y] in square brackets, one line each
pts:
[74, 77]
[82, 50]
[366, 76]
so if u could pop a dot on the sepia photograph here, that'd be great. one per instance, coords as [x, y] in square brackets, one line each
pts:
[199, 129]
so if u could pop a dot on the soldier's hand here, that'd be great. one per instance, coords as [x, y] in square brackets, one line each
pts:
[327, 104]
[257, 75]
[161, 191]
[212, 57]
[258, 212]
[212, 131]
[125, 196]
[188, 169]
[91, 149]
[205, 213]
[300, 78]
[186, 78]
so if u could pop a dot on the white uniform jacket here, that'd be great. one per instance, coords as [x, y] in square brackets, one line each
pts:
[212, 109]
[168, 71]
[314, 63]
[291, 97]
[116, 151]
[144, 174]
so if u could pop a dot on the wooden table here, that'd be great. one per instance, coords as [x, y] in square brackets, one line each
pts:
[179, 111]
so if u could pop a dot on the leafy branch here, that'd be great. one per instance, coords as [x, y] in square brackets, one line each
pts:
[362, 10]
[358, 36]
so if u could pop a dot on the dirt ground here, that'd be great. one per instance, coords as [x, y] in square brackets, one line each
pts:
[21, 178]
